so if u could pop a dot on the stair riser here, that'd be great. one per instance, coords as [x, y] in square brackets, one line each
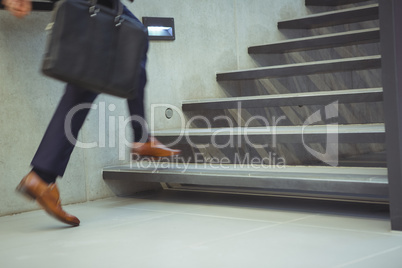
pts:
[345, 17]
[337, 188]
[258, 151]
[302, 69]
[269, 139]
[296, 101]
[321, 43]
[332, 2]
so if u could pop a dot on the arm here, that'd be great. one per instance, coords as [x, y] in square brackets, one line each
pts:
[18, 8]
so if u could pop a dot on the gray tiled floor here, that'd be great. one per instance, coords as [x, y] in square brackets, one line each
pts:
[183, 229]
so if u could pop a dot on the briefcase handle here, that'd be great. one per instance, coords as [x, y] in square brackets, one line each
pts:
[93, 10]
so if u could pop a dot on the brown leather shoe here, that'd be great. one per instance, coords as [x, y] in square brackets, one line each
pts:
[153, 148]
[47, 196]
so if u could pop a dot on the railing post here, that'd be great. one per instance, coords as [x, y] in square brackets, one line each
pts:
[391, 50]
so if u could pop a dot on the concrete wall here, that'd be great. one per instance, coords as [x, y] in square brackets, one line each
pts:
[211, 36]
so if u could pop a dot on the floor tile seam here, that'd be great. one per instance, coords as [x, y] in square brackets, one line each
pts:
[301, 218]
[103, 206]
[294, 222]
[167, 214]
[47, 240]
[128, 220]
[349, 230]
[275, 224]
[97, 203]
[223, 217]
[233, 235]
[222, 238]
[115, 199]
[206, 215]
[140, 221]
[122, 206]
[368, 257]
[84, 223]
[155, 210]
[256, 230]
[88, 234]
[230, 218]
[180, 249]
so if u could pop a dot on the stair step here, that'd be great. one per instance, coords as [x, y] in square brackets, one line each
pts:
[345, 181]
[373, 159]
[353, 133]
[319, 42]
[332, 18]
[331, 2]
[293, 99]
[316, 67]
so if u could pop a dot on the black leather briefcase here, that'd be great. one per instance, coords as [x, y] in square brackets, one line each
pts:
[95, 47]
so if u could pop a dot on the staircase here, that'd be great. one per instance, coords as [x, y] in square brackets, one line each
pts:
[255, 152]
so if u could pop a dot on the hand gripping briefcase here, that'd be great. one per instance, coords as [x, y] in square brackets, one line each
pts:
[95, 47]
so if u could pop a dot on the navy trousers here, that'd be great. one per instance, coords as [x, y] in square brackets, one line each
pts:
[55, 148]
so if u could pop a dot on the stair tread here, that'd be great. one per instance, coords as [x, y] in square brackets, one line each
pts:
[331, 2]
[290, 99]
[364, 174]
[318, 42]
[279, 130]
[331, 18]
[365, 182]
[306, 68]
